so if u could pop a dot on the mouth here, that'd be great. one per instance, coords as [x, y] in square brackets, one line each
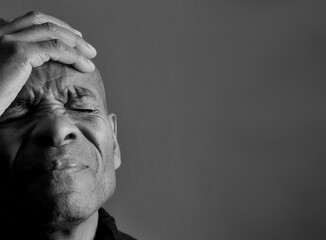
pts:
[64, 165]
[54, 167]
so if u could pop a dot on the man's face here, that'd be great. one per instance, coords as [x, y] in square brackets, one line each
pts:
[58, 146]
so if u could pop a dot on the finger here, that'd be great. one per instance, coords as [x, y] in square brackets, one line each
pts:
[48, 31]
[34, 18]
[56, 50]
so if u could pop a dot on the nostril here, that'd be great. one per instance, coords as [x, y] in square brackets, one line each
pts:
[70, 136]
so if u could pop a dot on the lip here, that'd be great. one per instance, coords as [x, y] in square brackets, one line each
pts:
[55, 166]
[61, 165]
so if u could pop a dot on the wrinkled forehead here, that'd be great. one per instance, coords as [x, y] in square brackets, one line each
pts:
[54, 77]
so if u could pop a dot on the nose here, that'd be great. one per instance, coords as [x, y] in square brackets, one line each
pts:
[54, 131]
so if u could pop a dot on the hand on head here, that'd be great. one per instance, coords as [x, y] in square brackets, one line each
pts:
[31, 40]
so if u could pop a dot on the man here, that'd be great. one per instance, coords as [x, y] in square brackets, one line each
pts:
[58, 143]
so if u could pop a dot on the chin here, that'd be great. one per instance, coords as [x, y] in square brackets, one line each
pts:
[67, 212]
[62, 210]
[57, 202]
[66, 209]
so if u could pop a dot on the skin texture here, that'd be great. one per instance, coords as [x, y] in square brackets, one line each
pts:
[59, 152]
[58, 146]
[31, 40]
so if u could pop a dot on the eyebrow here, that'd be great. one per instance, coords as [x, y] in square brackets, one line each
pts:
[24, 99]
[84, 92]
[27, 98]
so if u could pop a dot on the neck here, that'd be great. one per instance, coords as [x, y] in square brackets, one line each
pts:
[84, 230]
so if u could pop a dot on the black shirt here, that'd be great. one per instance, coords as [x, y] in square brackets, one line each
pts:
[107, 229]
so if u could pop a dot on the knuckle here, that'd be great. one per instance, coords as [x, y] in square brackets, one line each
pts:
[78, 55]
[58, 45]
[36, 16]
[78, 40]
[50, 27]
[75, 54]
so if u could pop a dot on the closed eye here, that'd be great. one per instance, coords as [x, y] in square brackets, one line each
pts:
[81, 110]
[84, 110]
[13, 114]
[8, 120]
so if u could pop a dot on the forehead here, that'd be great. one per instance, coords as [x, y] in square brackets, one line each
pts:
[52, 78]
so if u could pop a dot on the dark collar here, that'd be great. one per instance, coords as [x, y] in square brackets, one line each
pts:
[107, 229]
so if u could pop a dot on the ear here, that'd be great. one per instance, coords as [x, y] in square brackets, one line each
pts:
[116, 148]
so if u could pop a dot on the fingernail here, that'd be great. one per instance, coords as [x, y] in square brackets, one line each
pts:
[93, 50]
[91, 64]
[78, 33]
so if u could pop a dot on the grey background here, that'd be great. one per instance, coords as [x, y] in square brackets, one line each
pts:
[221, 113]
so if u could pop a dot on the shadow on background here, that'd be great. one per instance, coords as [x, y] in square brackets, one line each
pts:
[221, 112]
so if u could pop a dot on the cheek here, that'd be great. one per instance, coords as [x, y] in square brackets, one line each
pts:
[100, 134]
[98, 131]
[10, 143]
[107, 181]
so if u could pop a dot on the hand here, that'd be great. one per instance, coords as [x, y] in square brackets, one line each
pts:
[31, 40]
